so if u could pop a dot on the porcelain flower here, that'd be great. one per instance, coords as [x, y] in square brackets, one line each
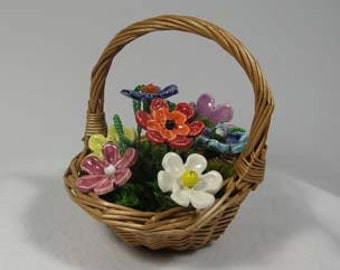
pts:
[150, 92]
[206, 108]
[103, 176]
[232, 139]
[97, 141]
[172, 127]
[187, 183]
[129, 133]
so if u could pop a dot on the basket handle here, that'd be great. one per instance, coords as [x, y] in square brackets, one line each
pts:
[254, 153]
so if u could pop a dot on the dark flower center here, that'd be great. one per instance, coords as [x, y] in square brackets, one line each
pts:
[170, 124]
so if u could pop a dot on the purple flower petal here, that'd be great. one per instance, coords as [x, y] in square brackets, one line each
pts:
[111, 153]
[128, 159]
[122, 176]
[221, 113]
[87, 183]
[104, 187]
[206, 108]
[92, 165]
[204, 104]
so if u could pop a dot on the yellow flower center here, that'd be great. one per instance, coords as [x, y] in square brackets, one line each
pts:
[189, 178]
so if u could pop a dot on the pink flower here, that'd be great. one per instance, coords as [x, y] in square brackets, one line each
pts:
[107, 174]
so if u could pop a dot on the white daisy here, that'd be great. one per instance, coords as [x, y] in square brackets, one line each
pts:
[186, 182]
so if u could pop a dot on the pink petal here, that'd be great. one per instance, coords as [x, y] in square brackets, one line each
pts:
[111, 153]
[87, 183]
[104, 187]
[92, 165]
[122, 176]
[128, 159]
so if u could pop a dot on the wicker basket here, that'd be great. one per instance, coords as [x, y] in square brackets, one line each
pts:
[177, 228]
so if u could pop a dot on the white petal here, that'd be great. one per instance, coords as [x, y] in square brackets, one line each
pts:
[201, 199]
[196, 162]
[172, 163]
[181, 197]
[165, 181]
[177, 186]
[210, 182]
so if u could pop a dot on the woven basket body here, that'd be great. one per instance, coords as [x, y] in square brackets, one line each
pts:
[177, 228]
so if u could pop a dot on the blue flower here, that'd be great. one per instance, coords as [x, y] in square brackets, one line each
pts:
[150, 92]
[224, 139]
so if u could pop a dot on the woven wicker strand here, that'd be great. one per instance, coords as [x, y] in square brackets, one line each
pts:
[177, 228]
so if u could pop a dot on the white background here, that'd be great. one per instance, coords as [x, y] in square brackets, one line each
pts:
[47, 50]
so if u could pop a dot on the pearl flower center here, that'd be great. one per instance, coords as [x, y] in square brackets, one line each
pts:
[189, 178]
[110, 170]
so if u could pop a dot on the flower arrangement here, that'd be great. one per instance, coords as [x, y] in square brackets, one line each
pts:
[178, 154]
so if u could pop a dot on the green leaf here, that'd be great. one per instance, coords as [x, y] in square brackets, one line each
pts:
[223, 166]
[206, 122]
[217, 137]
[172, 105]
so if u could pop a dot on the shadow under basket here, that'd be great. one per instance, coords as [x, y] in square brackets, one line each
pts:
[178, 228]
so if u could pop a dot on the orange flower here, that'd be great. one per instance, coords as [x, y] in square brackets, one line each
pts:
[172, 127]
[150, 88]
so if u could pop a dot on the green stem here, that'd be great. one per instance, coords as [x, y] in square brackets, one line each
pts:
[122, 141]
[137, 105]
[139, 132]
[146, 106]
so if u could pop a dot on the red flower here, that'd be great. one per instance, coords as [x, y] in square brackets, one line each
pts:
[172, 127]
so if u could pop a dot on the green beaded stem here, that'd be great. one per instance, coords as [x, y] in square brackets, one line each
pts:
[137, 106]
[123, 141]
[137, 103]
